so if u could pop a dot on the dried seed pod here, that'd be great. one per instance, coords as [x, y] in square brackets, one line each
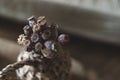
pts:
[50, 45]
[48, 53]
[63, 38]
[26, 43]
[27, 30]
[32, 21]
[34, 37]
[41, 21]
[41, 18]
[36, 28]
[21, 39]
[38, 47]
[46, 34]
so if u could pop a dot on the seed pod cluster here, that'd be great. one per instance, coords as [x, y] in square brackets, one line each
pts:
[40, 37]
[42, 57]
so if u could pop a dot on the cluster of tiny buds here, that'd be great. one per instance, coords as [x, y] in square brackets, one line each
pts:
[40, 37]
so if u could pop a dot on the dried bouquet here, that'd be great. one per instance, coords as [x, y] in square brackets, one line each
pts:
[42, 56]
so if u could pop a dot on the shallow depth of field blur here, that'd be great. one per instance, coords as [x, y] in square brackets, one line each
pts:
[93, 27]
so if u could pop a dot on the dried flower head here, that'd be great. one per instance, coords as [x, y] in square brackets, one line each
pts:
[48, 53]
[41, 20]
[50, 45]
[34, 37]
[38, 47]
[36, 28]
[21, 39]
[26, 43]
[46, 34]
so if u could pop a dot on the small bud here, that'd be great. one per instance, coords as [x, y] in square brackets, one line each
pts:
[32, 21]
[34, 37]
[38, 47]
[46, 34]
[63, 38]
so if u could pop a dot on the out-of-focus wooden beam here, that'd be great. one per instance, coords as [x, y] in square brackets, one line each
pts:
[9, 49]
[91, 22]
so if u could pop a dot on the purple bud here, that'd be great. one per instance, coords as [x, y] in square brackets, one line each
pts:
[63, 38]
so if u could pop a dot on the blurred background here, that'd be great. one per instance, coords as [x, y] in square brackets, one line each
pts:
[93, 27]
